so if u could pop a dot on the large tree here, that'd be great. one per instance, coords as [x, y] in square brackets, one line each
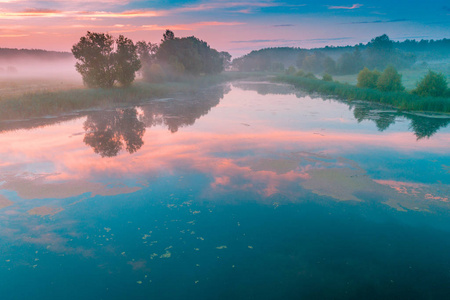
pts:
[101, 65]
[127, 61]
[189, 55]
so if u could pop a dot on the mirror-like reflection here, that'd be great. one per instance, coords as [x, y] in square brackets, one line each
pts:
[175, 114]
[108, 132]
[268, 193]
[423, 125]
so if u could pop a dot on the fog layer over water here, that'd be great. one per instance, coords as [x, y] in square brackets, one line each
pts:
[240, 191]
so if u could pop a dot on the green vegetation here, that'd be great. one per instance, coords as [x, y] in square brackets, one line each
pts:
[378, 53]
[367, 78]
[327, 77]
[433, 84]
[101, 65]
[390, 80]
[176, 57]
[33, 104]
[189, 55]
[399, 99]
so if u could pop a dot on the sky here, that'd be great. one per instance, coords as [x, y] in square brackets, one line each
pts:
[234, 26]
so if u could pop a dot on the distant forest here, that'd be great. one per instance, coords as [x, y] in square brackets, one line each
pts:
[378, 53]
[25, 54]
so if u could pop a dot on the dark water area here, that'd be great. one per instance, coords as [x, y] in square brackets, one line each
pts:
[247, 190]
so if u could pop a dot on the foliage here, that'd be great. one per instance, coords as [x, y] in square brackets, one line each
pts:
[300, 73]
[329, 65]
[226, 58]
[433, 84]
[127, 61]
[378, 53]
[146, 52]
[381, 52]
[368, 79]
[310, 76]
[327, 77]
[311, 62]
[399, 99]
[168, 35]
[189, 55]
[95, 51]
[390, 80]
[276, 67]
[290, 71]
[100, 65]
[350, 63]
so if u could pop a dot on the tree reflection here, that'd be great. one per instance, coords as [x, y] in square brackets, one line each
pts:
[423, 126]
[108, 132]
[184, 111]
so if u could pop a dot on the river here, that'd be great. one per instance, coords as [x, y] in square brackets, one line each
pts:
[246, 190]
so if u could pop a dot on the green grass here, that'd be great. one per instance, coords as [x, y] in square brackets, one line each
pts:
[401, 100]
[55, 102]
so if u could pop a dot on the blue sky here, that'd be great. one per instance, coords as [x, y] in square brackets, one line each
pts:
[237, 27]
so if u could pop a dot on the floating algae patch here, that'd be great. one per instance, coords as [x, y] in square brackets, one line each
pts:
[166, 255]
[416, 196]
[4, 202]
[45, 211]
[138, 265]
[338, 183]
[346, 184]
[221, 247]
[279, 166]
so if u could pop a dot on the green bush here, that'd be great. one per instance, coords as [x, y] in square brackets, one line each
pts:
[290, 71]
[300, 73]
[327, 77]
[433, 84]
[310, 76]
[368, 79]
[390, 80]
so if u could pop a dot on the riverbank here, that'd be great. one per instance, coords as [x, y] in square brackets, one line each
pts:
[400, 100]
[42, 103]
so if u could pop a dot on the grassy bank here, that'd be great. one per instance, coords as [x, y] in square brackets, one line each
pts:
[401, 100]
[54, 102]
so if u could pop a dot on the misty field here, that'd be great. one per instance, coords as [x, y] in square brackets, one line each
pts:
[34, 97]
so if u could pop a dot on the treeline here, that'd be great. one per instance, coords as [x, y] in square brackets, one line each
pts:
[104, 60]
[378, 53]
[25, 54]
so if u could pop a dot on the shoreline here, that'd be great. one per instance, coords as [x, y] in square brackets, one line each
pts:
[398, 100]
[55, 103]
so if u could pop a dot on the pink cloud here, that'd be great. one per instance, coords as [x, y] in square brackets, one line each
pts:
[354, 6]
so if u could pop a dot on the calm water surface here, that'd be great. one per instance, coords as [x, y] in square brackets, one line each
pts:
[241, 191]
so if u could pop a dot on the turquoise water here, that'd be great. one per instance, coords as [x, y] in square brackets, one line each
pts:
[247, 190]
